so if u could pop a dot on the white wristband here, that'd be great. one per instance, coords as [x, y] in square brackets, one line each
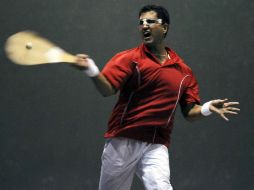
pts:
[92, 70]
[205, 111]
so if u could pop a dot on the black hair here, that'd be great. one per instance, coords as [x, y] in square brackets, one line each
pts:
[162, 13]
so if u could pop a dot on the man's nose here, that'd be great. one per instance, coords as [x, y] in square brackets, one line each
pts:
[145, 25]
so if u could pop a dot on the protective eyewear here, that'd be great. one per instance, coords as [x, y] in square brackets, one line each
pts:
[149, 22]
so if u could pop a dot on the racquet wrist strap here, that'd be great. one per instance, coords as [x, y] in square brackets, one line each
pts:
[205, 111]
[92, 70]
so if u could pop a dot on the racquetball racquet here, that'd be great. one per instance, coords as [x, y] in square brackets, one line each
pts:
[29, 48]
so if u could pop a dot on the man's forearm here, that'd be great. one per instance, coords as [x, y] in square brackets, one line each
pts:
[219, 106]
[194, 113]
[86, 64]
[103, 85]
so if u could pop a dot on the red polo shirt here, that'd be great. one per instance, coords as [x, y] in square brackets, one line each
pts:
[149, 94]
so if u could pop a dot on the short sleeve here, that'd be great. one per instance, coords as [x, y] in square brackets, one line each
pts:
[118, 69]
[191, 92]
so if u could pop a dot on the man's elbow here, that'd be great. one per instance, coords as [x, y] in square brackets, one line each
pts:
[108, 92]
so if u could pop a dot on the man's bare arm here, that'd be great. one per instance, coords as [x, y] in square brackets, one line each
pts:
[219, 106]
[103, 85]
[83, 62]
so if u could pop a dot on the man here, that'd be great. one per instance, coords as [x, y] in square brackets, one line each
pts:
[152, 80]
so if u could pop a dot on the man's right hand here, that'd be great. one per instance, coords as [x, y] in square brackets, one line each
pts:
[81, 62]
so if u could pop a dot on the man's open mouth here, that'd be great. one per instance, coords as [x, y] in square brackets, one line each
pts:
[146, 34]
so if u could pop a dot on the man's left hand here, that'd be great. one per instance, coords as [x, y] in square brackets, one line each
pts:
[223, 107]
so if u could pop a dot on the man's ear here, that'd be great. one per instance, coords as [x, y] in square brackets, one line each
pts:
[165, 28]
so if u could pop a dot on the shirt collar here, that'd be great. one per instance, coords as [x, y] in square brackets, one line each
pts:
[174, 58]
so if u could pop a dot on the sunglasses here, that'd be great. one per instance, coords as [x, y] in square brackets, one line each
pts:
[149, 22]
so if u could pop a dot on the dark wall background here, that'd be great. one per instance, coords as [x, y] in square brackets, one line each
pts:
[52, 119]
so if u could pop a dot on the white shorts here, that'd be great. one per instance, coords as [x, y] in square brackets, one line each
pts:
[123, 157]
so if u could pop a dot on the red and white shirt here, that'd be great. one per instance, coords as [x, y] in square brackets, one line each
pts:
[149, 94]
